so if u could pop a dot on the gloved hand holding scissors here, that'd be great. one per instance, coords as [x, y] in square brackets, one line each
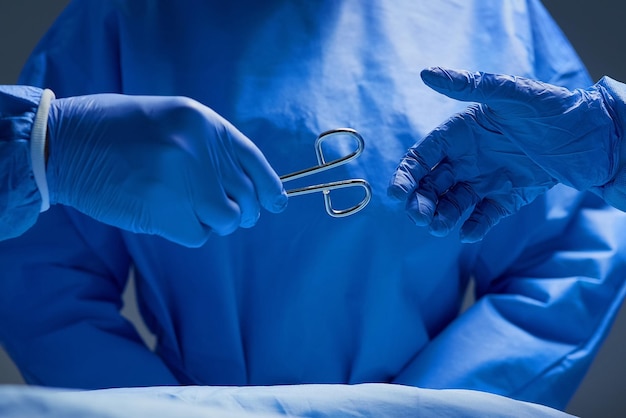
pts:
[519, 139]
[160, 165]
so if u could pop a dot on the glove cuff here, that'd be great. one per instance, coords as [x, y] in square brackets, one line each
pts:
[38, 147]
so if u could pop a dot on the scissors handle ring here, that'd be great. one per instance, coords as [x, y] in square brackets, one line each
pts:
[323, 165]
[326, 189]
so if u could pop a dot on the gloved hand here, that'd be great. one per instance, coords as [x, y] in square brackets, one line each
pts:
[159, 165]
[499, 155]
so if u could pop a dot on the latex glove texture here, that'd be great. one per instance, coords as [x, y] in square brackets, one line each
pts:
[159, 165]
[519, 139]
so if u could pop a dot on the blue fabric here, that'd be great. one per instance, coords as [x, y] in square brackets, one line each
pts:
[302, 297]
[362, 401]
[20, 200]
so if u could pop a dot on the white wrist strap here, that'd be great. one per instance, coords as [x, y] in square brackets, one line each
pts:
[38, 146]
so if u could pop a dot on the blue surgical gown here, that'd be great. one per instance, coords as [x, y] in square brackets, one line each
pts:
[303, 297]
[20, 200]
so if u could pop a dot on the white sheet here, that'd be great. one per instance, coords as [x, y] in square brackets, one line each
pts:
[364, 400]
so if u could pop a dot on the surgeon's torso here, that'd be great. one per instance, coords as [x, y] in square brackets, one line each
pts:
[303, 297]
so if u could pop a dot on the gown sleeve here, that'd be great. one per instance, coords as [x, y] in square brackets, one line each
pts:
[60, 307]
[20, 200]
[544, 303]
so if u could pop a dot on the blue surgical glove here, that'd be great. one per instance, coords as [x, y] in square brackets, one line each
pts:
[521, 138]
[159, 165]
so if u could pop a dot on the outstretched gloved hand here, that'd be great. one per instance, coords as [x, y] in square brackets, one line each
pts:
[519, 139]
[159, 165]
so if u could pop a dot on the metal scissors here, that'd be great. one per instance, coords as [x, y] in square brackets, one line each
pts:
[323, 165]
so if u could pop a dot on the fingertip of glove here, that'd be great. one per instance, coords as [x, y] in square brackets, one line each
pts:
[280, 203]
[396, 192]
[435, 76]
[251, 220]
[439, 228]
[444, 78]
[470, 239]
[432, 72]
[471, 232]
[196, 240]
[419, 219]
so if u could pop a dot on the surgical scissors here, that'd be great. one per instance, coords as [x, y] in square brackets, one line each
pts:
[323, 165]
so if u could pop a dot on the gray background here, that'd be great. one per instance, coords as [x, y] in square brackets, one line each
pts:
[597, 31]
